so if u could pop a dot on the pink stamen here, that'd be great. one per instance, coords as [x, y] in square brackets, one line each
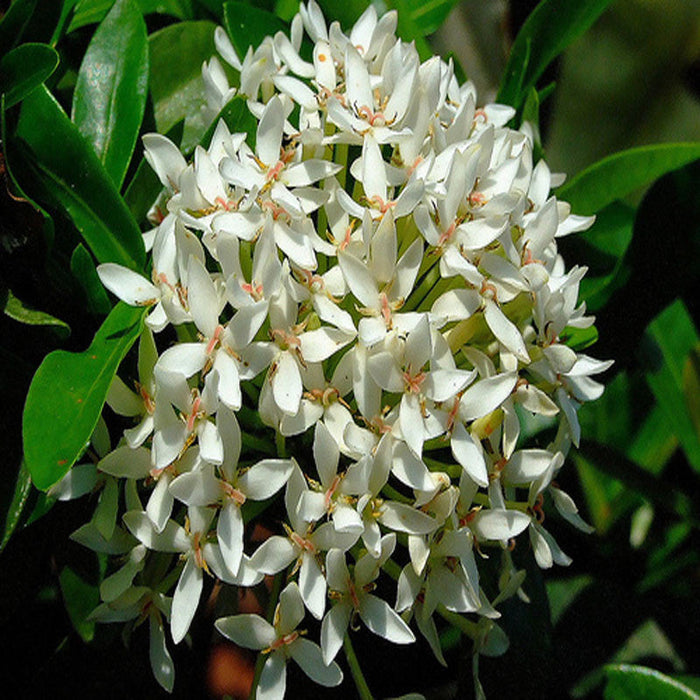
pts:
[233, 493]
[283, 641]
[194, 414]
[414, 381]
[331, 491]
[303, 544]
[213, 341]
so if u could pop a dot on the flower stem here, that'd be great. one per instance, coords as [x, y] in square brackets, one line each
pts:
[363, 690]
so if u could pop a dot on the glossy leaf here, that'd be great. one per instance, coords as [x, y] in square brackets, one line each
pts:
[691, 386]
[626, 682]
[238, 118]
[346, 13]
[13, 24]
[623, 173]
[110, 95]
[606, 244]
[83, 268]
[410, 29]
[611, 462]
[550, 28]
[177, 90]
[428, 15]
[38, 220]
[93, 11]
[67, 395]
[23, 69]
[668, 342]
[248, 26]
[76, 181]
[80, 599]
[23, 487]
[20, 312]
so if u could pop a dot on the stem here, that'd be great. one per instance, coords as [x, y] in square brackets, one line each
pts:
[269, 615]
[466, 627]
[281, 445]
[363, 690]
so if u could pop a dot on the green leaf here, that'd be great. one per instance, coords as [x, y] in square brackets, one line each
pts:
[691, 386]
[80, 599]
[346, 12]
[550, 28]
[39, 219]
[23, 69]
[18, 311]
[238, 118]
[23, 487]
[580, 338]
[13, 24]
[428, 15]
[110, 95]
[177, 90]
[623, 173]
[654, 442]
[626, 682]
[67, 394]
[83, 268]
[635, 478]
[669, 340]
[76, 181]
[409, 29]
[248, 26]
[93, 11]
[605, 246]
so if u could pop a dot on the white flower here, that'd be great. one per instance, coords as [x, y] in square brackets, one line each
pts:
[280, 642]
[352, 597]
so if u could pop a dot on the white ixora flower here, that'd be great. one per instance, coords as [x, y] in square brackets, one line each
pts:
[358, 302]
[280, 642]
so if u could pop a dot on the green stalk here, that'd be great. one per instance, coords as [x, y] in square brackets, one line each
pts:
[363, 690]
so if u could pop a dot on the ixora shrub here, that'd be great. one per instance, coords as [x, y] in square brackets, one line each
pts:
[352, 308]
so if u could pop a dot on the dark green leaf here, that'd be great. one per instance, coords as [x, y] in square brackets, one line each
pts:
[93, 11]
[580, 338]
[346, 12]
[18, 311]
[654, 442]
[176, 56]
[83, 268]
[110, 95]
[409, 29]
[552, 26]
[38, 220]
[248, 26]
[615, 464]
[74, 178]
[623, 173]
[23, 69]
[13, 24]
[626, 682]
[606, 244]
[428, 15]
[668, 342]
[80, 599]
[238, 119]
[67, 395]
[23, 487]
[691, 386]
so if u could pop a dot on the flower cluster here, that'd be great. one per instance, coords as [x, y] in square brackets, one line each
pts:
[367, 299]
